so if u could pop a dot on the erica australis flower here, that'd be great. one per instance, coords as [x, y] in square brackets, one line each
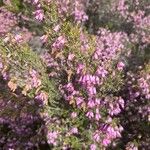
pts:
[39, 15]
[74, 131]
[18, 38]
[75, 91]
[80, 16]
[93, 147]
[35, 82]
[120, 66]
[43, 97]
[59, 42]
[52, 138]
[73, 114]
[106, 142]
[71, 57]
[96, 136]
[131, 146]
[7, 21]
[35, 1]
[90, 114]
[44, 38]
[56, 28]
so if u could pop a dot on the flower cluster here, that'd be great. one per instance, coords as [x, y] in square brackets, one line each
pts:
[77, 78]
[10, 21]
[16, 123]
[76, 9]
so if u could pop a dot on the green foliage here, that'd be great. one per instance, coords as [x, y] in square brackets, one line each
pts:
[1, 3]
[51, 13]
[71, 31]
[16, 5]
[73, 141]
[112, 84]
[20, 59]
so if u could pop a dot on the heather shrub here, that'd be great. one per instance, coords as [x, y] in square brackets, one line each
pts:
[74, 75]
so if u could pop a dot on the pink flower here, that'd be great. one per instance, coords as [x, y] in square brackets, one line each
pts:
[43, 97]
[6, 39]
[121, 102]
[97, 117]
[79, 101]
[92, 147]
[91, 104]
[70, 57]
[39, 14]
[80, 68]
[44, 38]
[80, 16]
[90, 114]
[120, 66]
[109, 120]
[101, 72]
[69, 87]
[114, 109]
[51, 137]
[97, 101]
[111, 132]
[18, 38]
[74, 130]
[106, 142]
[73, 114]
[1, 65]
[36, 82]
[59, 42]
[120, 128]
[91, 90]
[147, 96]
[96, 137]
[35, 1]
[56, 28]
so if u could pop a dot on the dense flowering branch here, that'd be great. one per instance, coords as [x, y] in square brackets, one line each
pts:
[85, 88]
